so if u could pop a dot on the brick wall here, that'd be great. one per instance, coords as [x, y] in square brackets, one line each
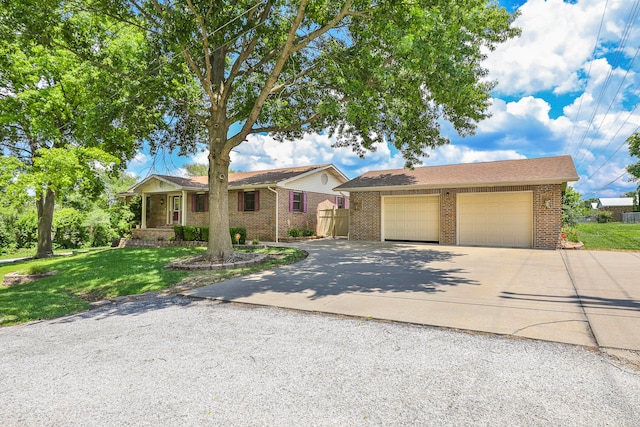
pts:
[260, 224]
[364, 216]
[617, 211]
[547, 222]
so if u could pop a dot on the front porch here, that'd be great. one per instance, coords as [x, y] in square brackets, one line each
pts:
[158, 234]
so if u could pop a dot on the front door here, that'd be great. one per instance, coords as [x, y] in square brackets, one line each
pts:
[176, 209]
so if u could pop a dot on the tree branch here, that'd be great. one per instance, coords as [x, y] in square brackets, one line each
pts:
[271, 81]
[320, 31]
[292, 127]
[205, 47]
[245, 51]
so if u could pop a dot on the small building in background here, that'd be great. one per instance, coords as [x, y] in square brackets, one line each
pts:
[616, 205]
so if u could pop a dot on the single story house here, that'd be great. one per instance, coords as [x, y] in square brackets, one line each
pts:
[512, 203]
[267, 203]
[616, 205]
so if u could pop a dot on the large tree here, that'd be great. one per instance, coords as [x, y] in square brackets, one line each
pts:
[366, 72]
[63, 113]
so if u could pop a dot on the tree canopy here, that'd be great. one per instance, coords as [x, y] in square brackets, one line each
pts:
[366, 72]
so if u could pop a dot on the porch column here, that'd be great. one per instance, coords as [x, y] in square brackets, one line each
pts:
[143, 220]
[183, 219]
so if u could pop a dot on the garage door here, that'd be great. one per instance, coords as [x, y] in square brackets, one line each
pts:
[495, 219]
[415, 218]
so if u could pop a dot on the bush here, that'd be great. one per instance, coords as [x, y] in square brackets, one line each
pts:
[241, 231]
[178, 230]
[69, 231]
[204, 234]
[306, 232]
[295, 232]
[100, 231]
[604, 217]
[26, 230]
[571, 233]
[7, 232]
[191, 233]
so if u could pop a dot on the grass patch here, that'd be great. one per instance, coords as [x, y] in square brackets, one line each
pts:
[97, 275]
[610, 236]
[19, 253]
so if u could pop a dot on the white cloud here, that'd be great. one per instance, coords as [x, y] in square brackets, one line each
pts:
[558, 38]
[451, 154]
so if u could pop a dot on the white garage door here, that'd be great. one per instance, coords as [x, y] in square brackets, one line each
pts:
[415, 218]
[495, 219]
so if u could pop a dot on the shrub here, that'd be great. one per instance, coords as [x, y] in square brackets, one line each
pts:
[308, 232]
[204, 234]
[255, 241]
[604, 217]
[191, 233]
[295, 232]
[68, 229]
[178, 230]
[37, 269]
[99, 225]
[571, 233]
[26, 230]
[241, 231]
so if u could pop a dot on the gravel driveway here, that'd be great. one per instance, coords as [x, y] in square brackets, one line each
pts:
[172, 361]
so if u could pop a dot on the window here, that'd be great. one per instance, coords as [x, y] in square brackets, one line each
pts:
[249, 201]
[201, 203]
[297, 201]
[340, 202]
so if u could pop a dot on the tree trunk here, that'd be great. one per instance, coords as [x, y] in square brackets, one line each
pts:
[45, 205]
[219, 246]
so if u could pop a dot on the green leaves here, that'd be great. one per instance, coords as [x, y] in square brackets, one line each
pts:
[634, 151]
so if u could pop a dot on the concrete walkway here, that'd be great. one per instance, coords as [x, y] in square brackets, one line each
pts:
[582, 297]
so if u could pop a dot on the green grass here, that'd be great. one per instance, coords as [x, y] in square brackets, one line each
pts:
[20, 253]
[610, 236]
[104, 274]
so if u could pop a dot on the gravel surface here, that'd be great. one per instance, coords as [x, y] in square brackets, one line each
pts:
[172, 361]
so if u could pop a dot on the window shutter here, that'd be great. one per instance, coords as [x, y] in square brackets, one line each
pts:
[206, 202]
[346, 203]
[256, 201]
[194, 202]
[240, 201]
[335, 201]
[290, 201]
[304, 202]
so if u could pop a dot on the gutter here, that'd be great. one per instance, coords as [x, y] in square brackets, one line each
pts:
[277, 211]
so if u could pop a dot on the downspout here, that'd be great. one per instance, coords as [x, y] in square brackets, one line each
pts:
[277, 212]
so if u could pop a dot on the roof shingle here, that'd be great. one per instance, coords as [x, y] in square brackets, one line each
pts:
[507, 172]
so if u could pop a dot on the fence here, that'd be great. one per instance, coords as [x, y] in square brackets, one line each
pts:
[333, 222]
[632, 217]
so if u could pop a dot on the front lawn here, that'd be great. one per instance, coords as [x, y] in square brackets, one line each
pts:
[88, 277]
[610, 236]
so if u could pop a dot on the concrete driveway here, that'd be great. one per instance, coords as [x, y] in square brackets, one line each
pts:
[579, 297]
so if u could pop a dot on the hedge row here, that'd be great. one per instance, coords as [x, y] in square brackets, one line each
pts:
[188, 234]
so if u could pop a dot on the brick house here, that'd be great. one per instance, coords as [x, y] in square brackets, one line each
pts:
[512, 203]
[267, 203]
[616, 205]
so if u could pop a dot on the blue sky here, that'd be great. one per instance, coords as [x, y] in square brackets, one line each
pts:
[568, 85]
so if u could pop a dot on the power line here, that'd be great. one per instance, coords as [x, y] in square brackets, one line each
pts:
[614, 64]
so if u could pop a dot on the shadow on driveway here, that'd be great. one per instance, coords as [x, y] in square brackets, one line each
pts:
[338, 268]
[585, 301]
